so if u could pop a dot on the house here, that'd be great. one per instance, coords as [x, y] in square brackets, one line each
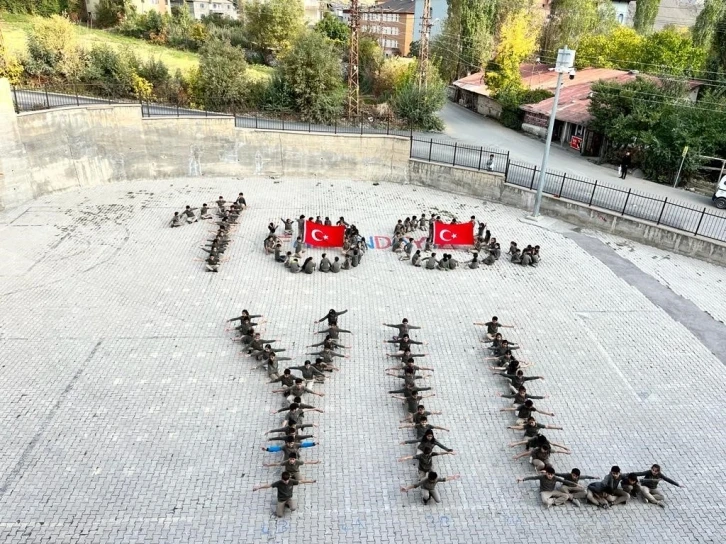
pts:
[573, 115]
[202, 8]
[391, 23]
[141, 6]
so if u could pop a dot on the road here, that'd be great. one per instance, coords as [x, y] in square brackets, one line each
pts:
[468, 127]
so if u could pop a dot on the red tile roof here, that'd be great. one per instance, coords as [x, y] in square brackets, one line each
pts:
[574, 100]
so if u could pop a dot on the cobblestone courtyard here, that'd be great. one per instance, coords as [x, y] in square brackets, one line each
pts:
[128, 415]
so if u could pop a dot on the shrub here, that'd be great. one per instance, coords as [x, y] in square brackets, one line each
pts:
[52, 49]
[417, 104]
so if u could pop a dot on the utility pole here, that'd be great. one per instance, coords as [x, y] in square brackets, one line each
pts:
[423, 54]
[565, 63]
[353, 88]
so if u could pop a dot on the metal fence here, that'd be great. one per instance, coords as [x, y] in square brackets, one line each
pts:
[456, 154]
[626, 202]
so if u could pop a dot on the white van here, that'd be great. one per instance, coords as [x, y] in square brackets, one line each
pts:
[719, 197]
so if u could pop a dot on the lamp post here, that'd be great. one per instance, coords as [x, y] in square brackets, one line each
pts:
[565, 62]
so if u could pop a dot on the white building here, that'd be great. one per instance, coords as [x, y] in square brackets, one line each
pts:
[202, 8]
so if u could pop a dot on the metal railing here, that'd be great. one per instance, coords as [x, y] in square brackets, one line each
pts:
[626, 202]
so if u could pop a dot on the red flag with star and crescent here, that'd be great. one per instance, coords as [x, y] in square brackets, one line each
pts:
[458, 234]
[324, 235]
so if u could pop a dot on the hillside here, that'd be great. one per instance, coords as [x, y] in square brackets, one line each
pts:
[14, 29]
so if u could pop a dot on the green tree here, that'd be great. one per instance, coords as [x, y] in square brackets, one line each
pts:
[110, 72]
[672, 51]
[272, 25]
[572, 20]
[370, 60]
[333, 28]
[517, 41]
[221, 83]
[654, 120]
[312, 74]
[708, 32]
[645, 13]
[111, 12]
[391, 76]
[418, 105]
[621, 49]
[53, 49]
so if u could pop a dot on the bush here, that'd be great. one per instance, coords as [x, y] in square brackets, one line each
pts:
[313, 74]
[155, 72]
[111, 12]
[417, 104]
[44, 8]
[52, 49]
[221, 83]
[390, 76]
[511, 98]
[110, 71]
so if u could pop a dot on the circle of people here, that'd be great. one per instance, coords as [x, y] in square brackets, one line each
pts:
[615, 488]
[228, 216]
[354, 246]
[484, 244]
[294, 387]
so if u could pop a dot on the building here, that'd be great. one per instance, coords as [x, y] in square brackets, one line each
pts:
[678, 13]
[141, 6]
[203, 8]
[572, 117]
[391, 23]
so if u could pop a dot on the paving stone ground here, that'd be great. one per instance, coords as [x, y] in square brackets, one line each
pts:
[128, 415]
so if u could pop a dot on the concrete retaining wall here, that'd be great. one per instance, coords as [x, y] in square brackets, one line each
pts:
[68, 148]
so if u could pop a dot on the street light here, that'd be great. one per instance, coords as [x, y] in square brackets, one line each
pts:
[565, 63]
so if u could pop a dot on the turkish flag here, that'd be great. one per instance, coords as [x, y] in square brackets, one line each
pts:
[323, 235]
[459, 234]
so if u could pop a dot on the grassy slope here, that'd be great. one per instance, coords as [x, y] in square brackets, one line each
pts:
[14, 28]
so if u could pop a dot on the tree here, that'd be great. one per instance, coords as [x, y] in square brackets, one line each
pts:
[572, 20]
[312, 74]
[654, 120]
[708, 32]
[53, 50]
[391, 76]
[645, 13]
[417, 104]
[221, 83]
[110, 12]
[272, 25]
[518, 38]
[370, 60]
[621, 49]
[333, 28]
[111, 73]
[672, 51]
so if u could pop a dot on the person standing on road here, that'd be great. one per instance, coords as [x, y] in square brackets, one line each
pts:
[625, 164]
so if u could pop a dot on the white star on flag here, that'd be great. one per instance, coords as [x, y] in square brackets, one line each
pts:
[325, 237]
[453, 235]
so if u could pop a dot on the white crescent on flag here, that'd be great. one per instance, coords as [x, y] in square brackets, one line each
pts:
[441, 234]
[314, 237]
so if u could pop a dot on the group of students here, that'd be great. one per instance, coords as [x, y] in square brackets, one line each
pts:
[293, 389]
[354, 247]
[486, 249]
[615, 488]
[228, 216]
[417, 416]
